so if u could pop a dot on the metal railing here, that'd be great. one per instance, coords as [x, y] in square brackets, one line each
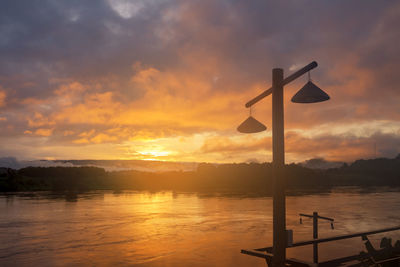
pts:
[315, 218]
[266, 252]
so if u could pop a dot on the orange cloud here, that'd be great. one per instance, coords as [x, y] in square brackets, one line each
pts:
[168, 110]
[39, 120]
[44, 132]
[2, 97]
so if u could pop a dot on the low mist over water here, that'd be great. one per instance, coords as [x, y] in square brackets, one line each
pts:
[177, 229]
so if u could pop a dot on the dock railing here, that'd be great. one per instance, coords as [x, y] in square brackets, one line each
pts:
[266, 252]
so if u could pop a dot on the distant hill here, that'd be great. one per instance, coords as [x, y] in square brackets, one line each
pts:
[320, 163]
[142, 165]
[139, 165]
[109, 165]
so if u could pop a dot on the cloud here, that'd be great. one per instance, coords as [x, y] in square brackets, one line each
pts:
[343, 148]
[133, 71]
[299, 147]
[223, 144]
[44, 132]
[2, 98]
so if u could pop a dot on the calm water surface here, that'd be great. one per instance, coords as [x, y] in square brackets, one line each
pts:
[167, 229]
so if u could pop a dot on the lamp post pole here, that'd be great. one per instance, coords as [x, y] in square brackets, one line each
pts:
[310, 93]
[278, 162]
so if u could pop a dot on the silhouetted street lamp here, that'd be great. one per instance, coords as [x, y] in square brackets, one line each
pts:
[309, 93]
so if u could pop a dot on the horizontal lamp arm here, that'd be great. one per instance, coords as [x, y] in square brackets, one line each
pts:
[287, 80]
[259, 97]
[300, 72]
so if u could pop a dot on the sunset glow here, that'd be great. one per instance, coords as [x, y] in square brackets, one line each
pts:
[168, 80]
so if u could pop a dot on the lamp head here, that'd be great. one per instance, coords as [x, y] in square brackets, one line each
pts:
[251, 125]
[310, 93]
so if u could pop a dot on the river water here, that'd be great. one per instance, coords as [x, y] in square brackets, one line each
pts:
[131, 228]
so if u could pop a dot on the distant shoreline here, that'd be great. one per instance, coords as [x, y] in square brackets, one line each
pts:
[241, 178]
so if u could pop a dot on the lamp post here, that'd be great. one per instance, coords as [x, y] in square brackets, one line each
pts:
[309, 93]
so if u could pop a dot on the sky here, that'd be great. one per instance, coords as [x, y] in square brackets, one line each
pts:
[168, 79]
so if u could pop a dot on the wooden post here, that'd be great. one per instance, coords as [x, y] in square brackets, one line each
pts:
[278, 150]
[315, 236]
[278, 155]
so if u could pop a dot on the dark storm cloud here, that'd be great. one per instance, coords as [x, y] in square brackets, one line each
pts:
[83, 39]
[43, 40]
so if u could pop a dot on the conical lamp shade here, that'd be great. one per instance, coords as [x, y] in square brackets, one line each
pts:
[310, 93]
[251, 125]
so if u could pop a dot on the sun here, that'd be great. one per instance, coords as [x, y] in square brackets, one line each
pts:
[154, 154]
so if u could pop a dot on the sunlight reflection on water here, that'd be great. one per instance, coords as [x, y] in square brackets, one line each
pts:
[169, 229]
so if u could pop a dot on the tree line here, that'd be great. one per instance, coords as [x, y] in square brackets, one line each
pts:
[241, 178]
